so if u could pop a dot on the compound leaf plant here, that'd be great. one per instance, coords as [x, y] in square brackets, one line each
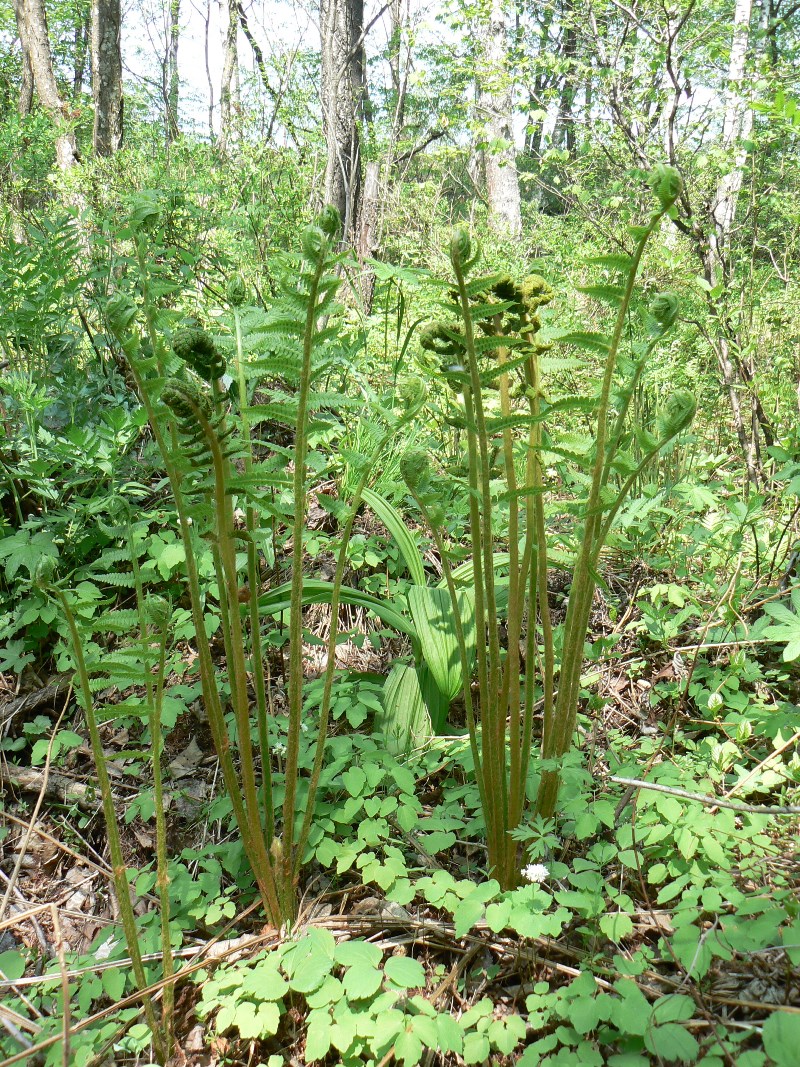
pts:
[204, 438]
[489, 340]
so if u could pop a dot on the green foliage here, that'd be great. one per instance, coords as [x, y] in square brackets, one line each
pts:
[643, 911]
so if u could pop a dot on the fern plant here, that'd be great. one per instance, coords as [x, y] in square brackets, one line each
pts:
[132, 664]
[490, 341]
[208, 436]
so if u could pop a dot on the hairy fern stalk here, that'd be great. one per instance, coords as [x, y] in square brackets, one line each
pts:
[490, 341]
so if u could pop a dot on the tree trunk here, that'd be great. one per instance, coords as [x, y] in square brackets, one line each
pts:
[107, 76]
[495, 104]
[26, 88]
[736, 128]
[171, 82]
[367, 237]
[82, 34]
[229, 65]
[32, 28]
[564, 130]
[342, 93]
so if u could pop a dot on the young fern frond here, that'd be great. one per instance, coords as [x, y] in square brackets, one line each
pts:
[507, 348]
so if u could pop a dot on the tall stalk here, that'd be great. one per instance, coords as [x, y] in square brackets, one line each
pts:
[202, 444]
[236, 295]
[154, 617]
[506, 312]
[119, 870]
[666, 184]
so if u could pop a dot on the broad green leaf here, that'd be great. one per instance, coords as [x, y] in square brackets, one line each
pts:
[616, 925]
[12, 965]
[631, 1012]
[505, 1034]
[23, 550]
[315, 591]
[782, 1038]
[361, 981]
[353, 953]
[354, 780]
[432, 612]
[310, 972]
[265, 981]
[450, 1035]
[404, 721]
[405, 972]
[393, 521]
[254, 1021]
[318, 1037]
[786, 628]
[408, 1049]
[476, 1048]
[497, 915]
[672, 1042]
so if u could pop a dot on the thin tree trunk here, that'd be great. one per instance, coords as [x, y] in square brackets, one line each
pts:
[82, 33]
[495, 104]
[32, 28]
[26, 88]
[342, 92]
[564, 131]
[736, 128]
[209, 79]
[172, 83]
[367, 237]
[107, 76]
[229, 65]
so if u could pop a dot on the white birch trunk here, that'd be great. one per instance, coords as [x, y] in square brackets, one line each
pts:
[496, 107]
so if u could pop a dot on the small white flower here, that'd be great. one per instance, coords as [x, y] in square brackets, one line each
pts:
[279, 749]
[304, 727]
[535, 872]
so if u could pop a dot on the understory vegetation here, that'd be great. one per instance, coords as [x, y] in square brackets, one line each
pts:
[398, 651]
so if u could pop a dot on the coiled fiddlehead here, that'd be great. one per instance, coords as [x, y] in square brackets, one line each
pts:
[197, 348]
[205, 429]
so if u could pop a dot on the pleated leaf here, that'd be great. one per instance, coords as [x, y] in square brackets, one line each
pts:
[432, 612]
[277, 601]
[404, 720]
[393, 521]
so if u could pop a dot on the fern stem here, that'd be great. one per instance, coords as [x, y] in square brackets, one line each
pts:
[120, 873]
[256, 664]
[155, 695]
[211, 696]
[510, 685]
[583, 584]
[492, 716]
[286, 857]
[237, 668]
